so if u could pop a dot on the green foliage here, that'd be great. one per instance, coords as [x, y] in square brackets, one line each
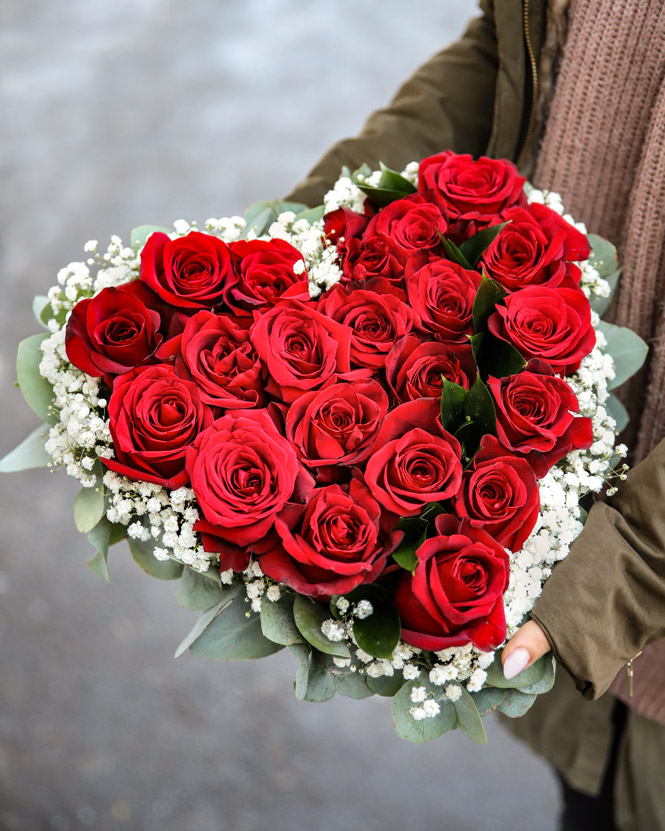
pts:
[627, 349]
[488, 699]
[234, 634]
[143, 555]
[391, 186]
[452, 404]
[427, 729]
[468, 717]
[36, 390]
[488, 295]
[320, 681]
[405, 554]
[385, 685]
[474, 247]
[102, 536]
[39, 304]
[378, 634]
[453, 252]
[260, 215]
[618, 412]
[30, 452]
[500, 358]
[141, 233]
[516, 704]
[301, 651]
[545, 683]
[351, 684]
[89, 507]
[309, 615]
[199, 592]
[528, 676]
[277, 621]
[203, 622]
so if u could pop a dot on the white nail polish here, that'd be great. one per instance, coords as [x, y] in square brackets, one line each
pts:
[515, 663]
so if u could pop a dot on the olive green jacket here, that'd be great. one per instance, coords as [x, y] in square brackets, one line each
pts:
[606, 601]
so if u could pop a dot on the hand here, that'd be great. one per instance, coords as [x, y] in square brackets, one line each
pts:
[526, 646]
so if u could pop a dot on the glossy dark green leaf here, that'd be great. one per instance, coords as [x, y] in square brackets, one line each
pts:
[405, 554]
[488, 295]
[392, 180]
[453, 253]
[309, 615]
[476, 342]
[500, 358]
[378, 634]
[474, 247]
[452, 404]
[277, 621]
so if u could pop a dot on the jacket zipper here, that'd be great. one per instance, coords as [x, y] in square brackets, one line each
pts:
[534, 82]
[630, 673]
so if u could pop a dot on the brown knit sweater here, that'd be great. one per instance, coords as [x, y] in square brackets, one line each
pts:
[603, 150]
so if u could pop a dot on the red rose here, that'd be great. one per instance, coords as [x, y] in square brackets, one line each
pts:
[263, 270]
[441, 294]
[189, 272]
[499, 494]
[217, 355]
[374, 257]
[526, 253]
[243, 472]
[376, 317]
[154, 417]
[534, 416]
[415, 460]
[553, 325]
[113, 332]
[337, 425]
[456, 592]
[343, 224]
[332, 544]
[411, 223]
[414, 369]
[574, 244]
[302, 350]
[466, 189]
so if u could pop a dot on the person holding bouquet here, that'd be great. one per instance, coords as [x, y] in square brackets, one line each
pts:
[573, 91]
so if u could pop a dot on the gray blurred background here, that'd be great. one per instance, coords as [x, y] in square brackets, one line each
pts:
[115, 114]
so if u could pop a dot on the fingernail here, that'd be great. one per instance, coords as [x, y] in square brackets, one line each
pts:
[515, 663]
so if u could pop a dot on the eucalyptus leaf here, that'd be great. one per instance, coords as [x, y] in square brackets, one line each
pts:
[603, 255]
[39, 303]
[474, 247]
[234, 635]
[351, 684]
[488, 699]
[101, 538]
[528, 676]
[142, 552]
[378, 633]
[301, 651]
[199, 592]
[426, 729]
[202, 624]
[312, 215]
[618, 412]
[385, 685]
[277, 621]
[309, 615]
[468, 717]
[627, 349]
[516, 704]
[140, 234]
[89, 507]
[484, 303]
[260, 215]
[452, 404]
[545, 683]
[36, 390]
[30, 452]
[320, 682]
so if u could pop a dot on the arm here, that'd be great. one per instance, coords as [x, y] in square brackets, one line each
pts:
[606, 601]
[447, 104]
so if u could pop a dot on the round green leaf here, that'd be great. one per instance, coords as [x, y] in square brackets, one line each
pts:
[89, 507]
[468, 717]
[427, 729]
[495, 676]
[277, 621]
[309, 616]
[142, 553]
[618, 412]
[200, 591]
[234, 635]
[488, 699]
[516, 704]
[141, 233]
[29, 454]
[627, 349]
[36, 390]
[351, 684]
[320, 682]
[546, 683]
[378, 634]
[387, 686]
[301, 651]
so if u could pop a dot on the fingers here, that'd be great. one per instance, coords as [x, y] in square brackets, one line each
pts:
[527, 645]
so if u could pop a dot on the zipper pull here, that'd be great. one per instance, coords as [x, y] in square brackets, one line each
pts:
[631, 674]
